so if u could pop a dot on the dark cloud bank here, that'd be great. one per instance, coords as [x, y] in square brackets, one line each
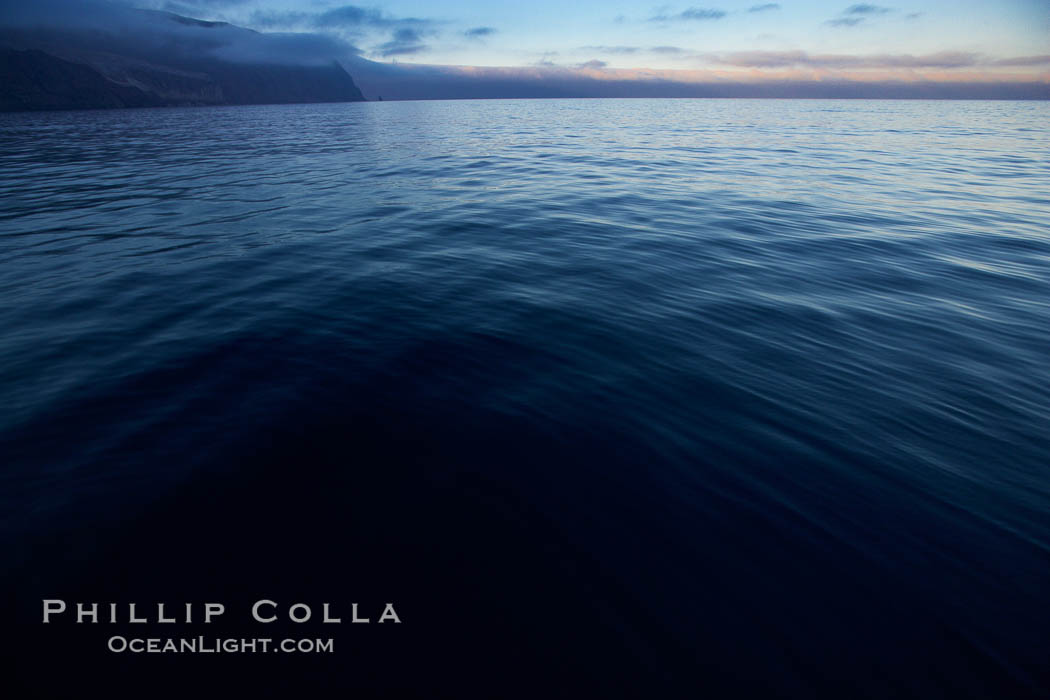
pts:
[434, 82]
[113, 55]
[941, 59]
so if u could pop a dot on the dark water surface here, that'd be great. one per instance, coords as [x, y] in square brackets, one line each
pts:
[665, 398]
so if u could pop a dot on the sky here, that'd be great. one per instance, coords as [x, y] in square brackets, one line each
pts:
[418, 49]
[916, 38]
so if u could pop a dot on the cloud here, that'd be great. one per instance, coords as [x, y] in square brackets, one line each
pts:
[479, 32]
[181, 4]
[199, 3]
[941, 59]
[611, 49]
[593, 64]
[764, 8]
[856, 14]
[190, 8]
[691, 14]
[845, 21]
[351, 16]
[1023, 61]
[669, 50]
[865, 9]
[344, 17]
[781, 59]
[404, 34]
[285, 48]
[268, 19]
[701, 14]
[633, 50]
[404, 41]
[464, 82]
[355, 16]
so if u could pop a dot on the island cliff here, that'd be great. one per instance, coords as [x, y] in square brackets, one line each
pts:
[46, 68]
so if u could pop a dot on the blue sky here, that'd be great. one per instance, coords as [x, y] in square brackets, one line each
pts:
[475, 48]
[752, 35]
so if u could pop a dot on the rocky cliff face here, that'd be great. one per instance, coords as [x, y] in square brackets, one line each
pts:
[60, 68]
[36, 80]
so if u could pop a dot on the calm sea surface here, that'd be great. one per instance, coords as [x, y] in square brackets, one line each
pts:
[650, 395]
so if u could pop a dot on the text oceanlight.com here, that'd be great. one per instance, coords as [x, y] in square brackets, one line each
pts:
[216, 645]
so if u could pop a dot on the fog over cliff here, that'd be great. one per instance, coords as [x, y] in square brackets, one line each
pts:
[58, 54]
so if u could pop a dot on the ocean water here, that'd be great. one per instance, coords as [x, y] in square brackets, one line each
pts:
[656, 397]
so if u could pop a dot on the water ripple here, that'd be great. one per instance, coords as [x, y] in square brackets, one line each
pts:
[781, 366]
